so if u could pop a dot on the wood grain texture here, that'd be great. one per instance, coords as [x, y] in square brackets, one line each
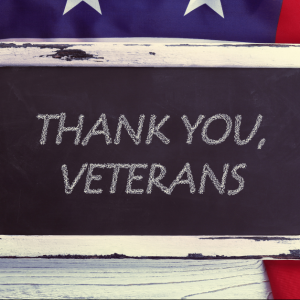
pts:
[132, 279]
[141, 54]
[146, 246]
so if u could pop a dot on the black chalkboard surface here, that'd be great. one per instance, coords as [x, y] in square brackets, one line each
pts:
[155, 151]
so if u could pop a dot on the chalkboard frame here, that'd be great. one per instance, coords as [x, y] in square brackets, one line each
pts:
[149, 53]
[125, 53]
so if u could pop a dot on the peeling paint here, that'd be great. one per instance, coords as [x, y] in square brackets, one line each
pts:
[64, 46]
[40, 46]
[73, 54]
[294, 254]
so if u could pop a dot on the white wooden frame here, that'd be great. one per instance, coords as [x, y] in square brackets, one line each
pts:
[135, 54]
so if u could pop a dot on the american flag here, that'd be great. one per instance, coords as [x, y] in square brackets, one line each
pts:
[261, 21]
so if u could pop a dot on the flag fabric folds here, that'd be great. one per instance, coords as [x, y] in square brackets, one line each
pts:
[288, 30]
[284, 276]
[230, 20]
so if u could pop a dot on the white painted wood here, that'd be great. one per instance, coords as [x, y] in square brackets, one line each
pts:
[136, 246]
[129, 54]
[133, 279]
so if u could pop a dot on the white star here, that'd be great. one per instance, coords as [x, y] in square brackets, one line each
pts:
[93, 3]
[213, 4]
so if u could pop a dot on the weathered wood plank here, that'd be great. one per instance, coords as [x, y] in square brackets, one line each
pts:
[137, 279]
[137, 246]
[141, 54]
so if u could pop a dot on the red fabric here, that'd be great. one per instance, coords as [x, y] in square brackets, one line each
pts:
[284, 276]
[288, 30]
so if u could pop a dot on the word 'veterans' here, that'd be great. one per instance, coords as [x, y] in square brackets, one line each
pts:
[101, 128]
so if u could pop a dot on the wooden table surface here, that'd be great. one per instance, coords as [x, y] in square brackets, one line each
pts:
[133, 279]
[196, 267]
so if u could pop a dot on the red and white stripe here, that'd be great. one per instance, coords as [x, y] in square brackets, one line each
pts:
[288, 30]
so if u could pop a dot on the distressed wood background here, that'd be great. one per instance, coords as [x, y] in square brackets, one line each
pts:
[139, 267]
[133, 279]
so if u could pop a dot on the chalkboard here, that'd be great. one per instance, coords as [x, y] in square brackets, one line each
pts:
[149, 151]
